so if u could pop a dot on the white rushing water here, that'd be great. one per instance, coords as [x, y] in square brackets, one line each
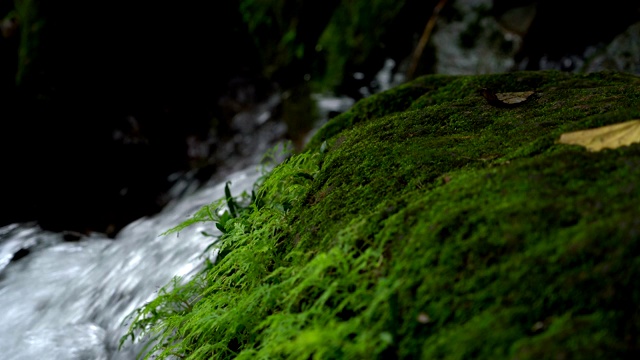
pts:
[63, 300]
[67, 300]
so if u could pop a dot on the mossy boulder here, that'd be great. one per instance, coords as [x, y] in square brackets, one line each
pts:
[426, 223]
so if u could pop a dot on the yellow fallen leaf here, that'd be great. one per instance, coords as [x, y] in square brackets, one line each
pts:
[610, 136]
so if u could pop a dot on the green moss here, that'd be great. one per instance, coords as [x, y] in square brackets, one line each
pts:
[433, 225]
[381, 104]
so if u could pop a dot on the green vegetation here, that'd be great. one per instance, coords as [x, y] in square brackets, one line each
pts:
[313, 46]
[28, 14]
[356, 32]
[425, 223]
[325, 41]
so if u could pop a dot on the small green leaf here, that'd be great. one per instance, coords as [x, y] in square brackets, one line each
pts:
[230, 201]
[224, 218]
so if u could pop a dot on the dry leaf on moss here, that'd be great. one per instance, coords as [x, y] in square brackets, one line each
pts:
[509, 99]
[514, 97]
[610, 136]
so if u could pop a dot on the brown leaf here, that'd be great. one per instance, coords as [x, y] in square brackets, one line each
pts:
[508, 100]
[514, 97]
[610, 136]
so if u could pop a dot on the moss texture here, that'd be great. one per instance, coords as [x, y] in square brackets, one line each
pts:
[427, 224]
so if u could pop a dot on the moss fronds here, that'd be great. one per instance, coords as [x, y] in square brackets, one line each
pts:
[432, 225]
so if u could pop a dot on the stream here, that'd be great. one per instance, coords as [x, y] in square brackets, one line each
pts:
[68, 300]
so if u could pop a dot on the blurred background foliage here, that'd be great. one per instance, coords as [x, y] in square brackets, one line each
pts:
[104, 100]
[329, 40]
[289, 38]
[284, 41]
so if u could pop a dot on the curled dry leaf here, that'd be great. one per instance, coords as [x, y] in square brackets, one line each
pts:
[610, 136]
[514, 97]
[509, 99]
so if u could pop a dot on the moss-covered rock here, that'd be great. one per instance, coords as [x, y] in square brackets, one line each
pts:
[426, 223]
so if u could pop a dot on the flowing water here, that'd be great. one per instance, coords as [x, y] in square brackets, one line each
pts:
[68, 300]
[62, 300]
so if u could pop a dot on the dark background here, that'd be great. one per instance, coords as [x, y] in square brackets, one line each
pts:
[99, 97]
